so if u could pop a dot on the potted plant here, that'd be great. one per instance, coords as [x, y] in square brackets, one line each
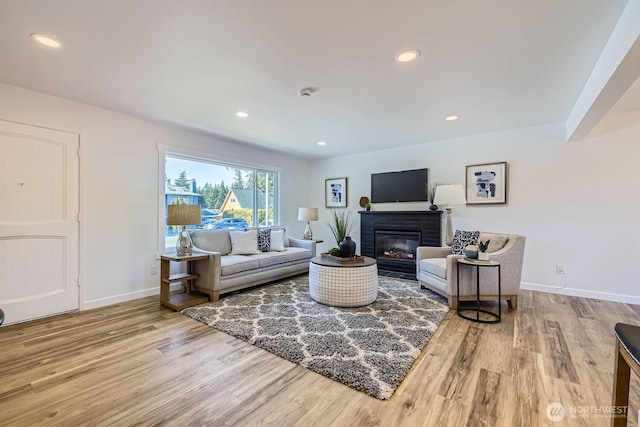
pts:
[340, 225]
[431, 195]
[365, 203]
[483, 255]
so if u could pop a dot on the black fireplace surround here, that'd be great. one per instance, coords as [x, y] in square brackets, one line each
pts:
[391, 237]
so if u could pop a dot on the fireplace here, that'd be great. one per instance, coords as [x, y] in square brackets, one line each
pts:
[396, 250]
[391, 237]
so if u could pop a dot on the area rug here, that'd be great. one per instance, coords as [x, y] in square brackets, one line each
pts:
[370, 348]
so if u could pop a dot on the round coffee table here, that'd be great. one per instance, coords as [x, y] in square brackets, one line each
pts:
[343, 285]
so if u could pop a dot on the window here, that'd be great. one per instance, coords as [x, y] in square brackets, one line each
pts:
[223, 191]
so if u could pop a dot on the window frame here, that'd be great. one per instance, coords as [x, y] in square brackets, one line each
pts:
[217, 160]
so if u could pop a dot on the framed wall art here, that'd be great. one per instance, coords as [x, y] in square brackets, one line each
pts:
[486, 183]
[335, 193]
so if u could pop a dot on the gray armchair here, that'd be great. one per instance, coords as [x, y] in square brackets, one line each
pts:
[437, 271]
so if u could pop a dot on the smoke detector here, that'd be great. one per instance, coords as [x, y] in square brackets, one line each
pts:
[307, 91]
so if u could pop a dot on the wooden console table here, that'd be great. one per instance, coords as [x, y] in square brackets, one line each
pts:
[187, 298]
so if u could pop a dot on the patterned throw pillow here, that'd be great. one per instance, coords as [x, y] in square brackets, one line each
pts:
[264, 239]
[462, 239]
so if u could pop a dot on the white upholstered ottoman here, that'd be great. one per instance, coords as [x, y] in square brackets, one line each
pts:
[348, 285]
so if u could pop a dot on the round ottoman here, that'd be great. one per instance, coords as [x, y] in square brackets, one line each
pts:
[343, 285]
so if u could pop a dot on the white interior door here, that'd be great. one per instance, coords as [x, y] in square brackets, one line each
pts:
[39, 174]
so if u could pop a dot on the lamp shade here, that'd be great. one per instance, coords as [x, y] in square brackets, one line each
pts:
[452, 194]
[307, 214]
[184, 215]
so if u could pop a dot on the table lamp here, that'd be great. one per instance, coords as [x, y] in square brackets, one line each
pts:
[447, 195]
[184, 215]
[308, 214]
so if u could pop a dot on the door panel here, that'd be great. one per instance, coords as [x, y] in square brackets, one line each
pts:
[38, 221]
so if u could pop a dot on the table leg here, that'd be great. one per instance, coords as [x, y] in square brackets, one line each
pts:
[458, 290]
[499, 295]
[477, 292]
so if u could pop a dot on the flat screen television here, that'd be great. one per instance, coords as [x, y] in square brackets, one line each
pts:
[401, 186]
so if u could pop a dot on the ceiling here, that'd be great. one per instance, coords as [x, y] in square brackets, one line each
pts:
[499, 64]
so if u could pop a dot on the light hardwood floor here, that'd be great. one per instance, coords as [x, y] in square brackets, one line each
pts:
[138, 363]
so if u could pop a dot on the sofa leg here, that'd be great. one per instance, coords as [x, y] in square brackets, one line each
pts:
[453, 302]
[513, 302]
[214, 296]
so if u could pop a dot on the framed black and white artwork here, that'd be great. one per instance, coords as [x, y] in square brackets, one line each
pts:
[486, 183]
[335, 193]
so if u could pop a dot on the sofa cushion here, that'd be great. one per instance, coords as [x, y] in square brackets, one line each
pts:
[296, 254]
[462, 239]
[435, 266]
[264, 239]
[266, 259]
[212, 240]
[496, 241]
[231, 264]
[277, 240]
[244, 242]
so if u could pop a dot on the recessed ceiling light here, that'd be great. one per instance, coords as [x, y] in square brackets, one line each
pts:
[452, 118]
[322, 143]
[242, 114]
[407, 55]
[45, 40]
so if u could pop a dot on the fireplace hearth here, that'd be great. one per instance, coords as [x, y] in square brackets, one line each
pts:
[391, 237]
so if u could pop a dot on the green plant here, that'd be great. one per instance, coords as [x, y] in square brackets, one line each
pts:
[483, 246]
[431, 192]
[334, 251]
[340, 224]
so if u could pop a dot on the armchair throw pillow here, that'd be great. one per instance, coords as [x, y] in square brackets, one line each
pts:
[462, 239]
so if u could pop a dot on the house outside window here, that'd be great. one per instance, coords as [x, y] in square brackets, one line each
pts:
[222, 191]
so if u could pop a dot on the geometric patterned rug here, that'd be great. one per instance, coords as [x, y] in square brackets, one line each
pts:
[370, 348]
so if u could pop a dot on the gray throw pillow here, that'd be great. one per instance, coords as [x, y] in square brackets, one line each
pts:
[462, 239]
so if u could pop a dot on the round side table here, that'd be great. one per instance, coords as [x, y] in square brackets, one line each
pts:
[495, 317]
[343, 285]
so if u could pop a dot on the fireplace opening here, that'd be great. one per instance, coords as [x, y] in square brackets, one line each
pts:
[396, 250]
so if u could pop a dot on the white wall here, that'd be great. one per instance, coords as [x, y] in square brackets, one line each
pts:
[577, 203]
[120, 187]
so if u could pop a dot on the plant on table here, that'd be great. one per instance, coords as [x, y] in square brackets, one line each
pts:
[340, 225]
[482, 247]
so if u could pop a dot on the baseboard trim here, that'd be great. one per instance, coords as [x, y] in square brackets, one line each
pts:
[628, 299]
[116, 299]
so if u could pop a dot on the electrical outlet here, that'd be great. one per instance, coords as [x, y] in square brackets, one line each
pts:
[561, 269]
[154, 270]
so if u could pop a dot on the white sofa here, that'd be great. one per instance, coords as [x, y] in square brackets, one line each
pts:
[224, 272]
[437, 271]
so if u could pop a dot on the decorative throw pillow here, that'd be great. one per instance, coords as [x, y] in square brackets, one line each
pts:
[277, 240]
[264, 239]
[462, 239]
[244, 242]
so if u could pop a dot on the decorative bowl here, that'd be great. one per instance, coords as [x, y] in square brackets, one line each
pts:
[470, 254]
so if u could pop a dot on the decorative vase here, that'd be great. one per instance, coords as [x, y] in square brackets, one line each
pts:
[347, 248]
[483, 256]
[433, 207]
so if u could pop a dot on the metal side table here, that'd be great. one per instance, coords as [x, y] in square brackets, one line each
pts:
[495, 317]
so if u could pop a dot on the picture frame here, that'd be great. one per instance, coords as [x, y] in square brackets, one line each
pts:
[335, 192]
[486, 184]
